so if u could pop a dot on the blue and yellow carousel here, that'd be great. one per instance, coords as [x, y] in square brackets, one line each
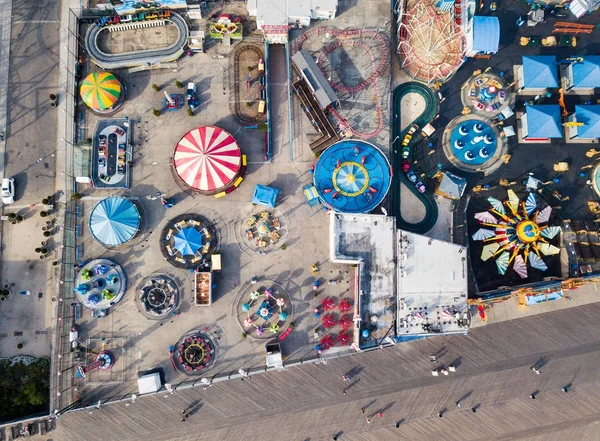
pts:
[352, 177]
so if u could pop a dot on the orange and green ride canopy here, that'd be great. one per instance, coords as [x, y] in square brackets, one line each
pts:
[100, 90]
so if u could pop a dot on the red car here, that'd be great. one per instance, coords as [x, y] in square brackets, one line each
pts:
[119, 131]
[405, 166]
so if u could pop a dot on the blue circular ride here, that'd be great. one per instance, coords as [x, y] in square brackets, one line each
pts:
[473, 142]
[352, 177]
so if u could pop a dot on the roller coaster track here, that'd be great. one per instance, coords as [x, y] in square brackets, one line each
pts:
[354, 38]
[130, 59]
[431, 109]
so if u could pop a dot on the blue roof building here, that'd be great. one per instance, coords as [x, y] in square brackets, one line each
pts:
[542, 121]
[538, 73]
[486, 36]
[590, 117]
[585, 75]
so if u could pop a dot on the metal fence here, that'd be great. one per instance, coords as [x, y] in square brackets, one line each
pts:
[61, 380]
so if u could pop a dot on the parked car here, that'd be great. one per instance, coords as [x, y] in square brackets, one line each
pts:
[405, 166]
[192, 100]
[406, 140]
[420, 187]
[405, 152]
[411, 176]
[8, 190]
[119, 131]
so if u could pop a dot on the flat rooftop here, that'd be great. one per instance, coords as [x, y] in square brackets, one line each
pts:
[367, 240]
[432, 285]
[321, 88]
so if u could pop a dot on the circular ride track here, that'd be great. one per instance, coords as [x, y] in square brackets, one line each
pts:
[128, 59]
[431, 109]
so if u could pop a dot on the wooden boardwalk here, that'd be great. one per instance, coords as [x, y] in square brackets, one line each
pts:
[306, 403]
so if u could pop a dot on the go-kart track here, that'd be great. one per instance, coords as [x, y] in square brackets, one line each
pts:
[138, 58]
[431, 109]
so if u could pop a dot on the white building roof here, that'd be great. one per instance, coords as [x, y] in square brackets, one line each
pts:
[271, 12]
[367, 240]
[277, 12]
[149, 383]
[432, 285]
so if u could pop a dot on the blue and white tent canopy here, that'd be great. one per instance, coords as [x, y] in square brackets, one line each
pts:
[114, 221]
[531, 203]
[188, 241]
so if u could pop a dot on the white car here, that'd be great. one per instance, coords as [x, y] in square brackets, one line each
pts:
[8, 190]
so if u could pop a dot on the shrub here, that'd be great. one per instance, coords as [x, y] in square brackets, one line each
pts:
[55, 263]
[249, 68]
[43, 213]
[76, 196]
[190, 112]
[244, 335]
[248, 103]
[47, 234]
[179, 84]
[155, 87]
[38, 250]
[263, 127]
[88, 140]
[156, 112]
[12, 215]
[44, 251]
[45, 201]
[19, 218]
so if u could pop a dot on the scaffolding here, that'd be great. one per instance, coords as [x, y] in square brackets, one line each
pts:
[431, 45]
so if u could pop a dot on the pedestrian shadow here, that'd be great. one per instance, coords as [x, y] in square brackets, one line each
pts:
[465, 396]
[195, 407]
[369, 404]
[354, 371]
[400, 421]
[541, 362]
[352, 384]
[457, 362]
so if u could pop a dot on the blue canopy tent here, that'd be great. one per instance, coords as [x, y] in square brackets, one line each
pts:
[584, 75]
[542, 121]
[540, 72]
[486, 35]
[188, 241]
[590, 117]
[264, 195]
[114, 221]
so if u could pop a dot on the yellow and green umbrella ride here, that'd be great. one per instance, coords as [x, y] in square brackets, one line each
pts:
[100, 90]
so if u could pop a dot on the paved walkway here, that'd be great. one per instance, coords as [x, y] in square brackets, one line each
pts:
[493, 375]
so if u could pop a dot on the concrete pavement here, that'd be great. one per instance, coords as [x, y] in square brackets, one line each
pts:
[29, 154]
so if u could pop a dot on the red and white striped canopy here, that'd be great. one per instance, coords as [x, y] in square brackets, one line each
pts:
[207, 159]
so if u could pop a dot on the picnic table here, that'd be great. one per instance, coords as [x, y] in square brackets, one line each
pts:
[252, 220]
[170, 250]
[276, 224]
[180, 224]
[180, 260]
[250, 234]
[169, 234]
[264, 215]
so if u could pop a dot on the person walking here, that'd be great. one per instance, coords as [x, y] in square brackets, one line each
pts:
[345, 393]
[536, 370]
[458, 404]
[368, 420]
[440, 414]
[473, 409]
[532, 396]
[564, 389]
[380, 414]
[363, 410]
